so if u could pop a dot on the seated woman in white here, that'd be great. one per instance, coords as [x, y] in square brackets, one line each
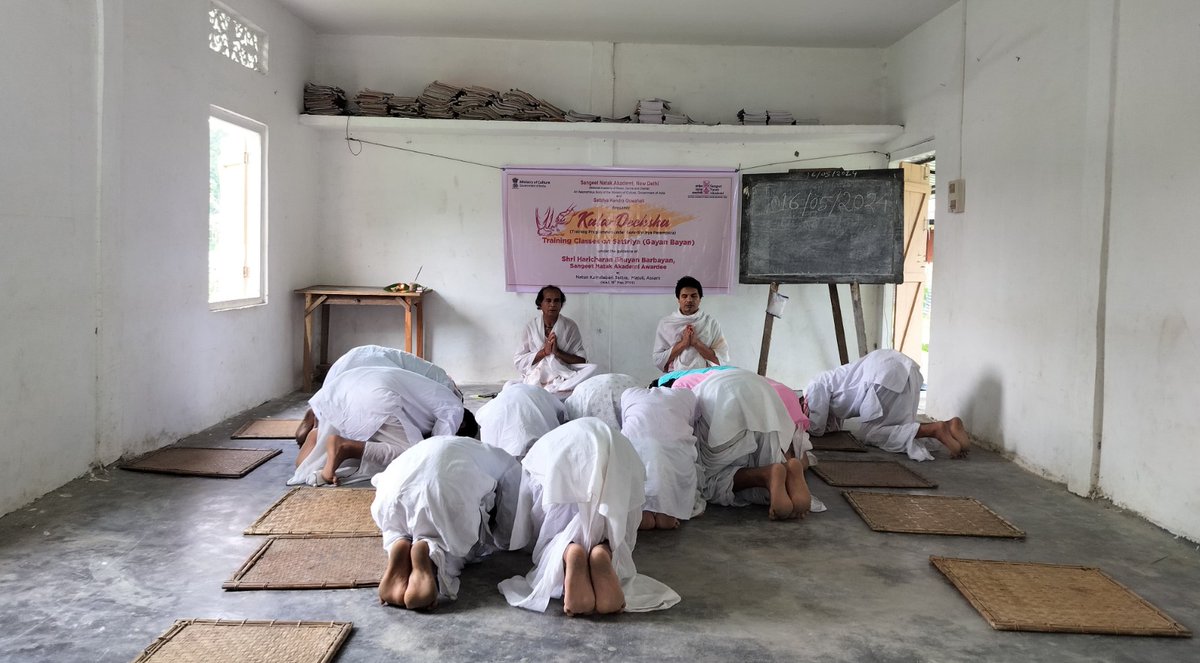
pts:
[518, 416]
[445, 503]
[581, 502]
[367, 416]
[660, 423]
[551, 355]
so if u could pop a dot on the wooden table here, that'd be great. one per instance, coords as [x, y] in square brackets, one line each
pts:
[322, 296]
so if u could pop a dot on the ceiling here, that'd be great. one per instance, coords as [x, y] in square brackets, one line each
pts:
[795, 23]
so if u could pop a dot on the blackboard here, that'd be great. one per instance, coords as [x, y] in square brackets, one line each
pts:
[823, 226]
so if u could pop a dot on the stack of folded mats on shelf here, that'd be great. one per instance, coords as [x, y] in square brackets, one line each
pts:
[324, 99]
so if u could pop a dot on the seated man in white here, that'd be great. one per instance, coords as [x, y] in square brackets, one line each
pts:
[581, 501]
[749, 450]
[883, 389]
[367, 416]
[600, 397]
[660, 424]
[378, 355]
[689, 338]
[518, 416]
[446, 502]
[551, 354]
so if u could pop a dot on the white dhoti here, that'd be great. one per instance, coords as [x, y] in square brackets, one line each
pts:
[660, 424]
[742, 423]
[444, 491]
[518, 416]
[600, 397]
[582, 483]
[378, 355]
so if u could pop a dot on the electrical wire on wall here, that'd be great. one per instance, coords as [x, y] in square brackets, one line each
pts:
[351, 141]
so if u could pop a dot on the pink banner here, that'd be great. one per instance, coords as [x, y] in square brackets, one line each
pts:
[619, 230]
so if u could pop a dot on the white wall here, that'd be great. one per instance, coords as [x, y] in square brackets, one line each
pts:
[1152, 330]
[1024, 279]
[109, 346]
[169, 366]
[389, 211]
[48, 222]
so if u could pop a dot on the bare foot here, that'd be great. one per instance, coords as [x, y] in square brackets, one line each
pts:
[578, 596]
[422, 582]
[959, 431]
[663, 521]
[306, 449]
[947, 439]
[781, 503]
[337, 451]
[395, 578]
[610, 599]
[797, 488]
[306, 424]
[647, 521]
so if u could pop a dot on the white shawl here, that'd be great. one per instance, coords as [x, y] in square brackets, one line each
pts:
[518, 416]
[670, 328]
[443, 491]
[583, 483]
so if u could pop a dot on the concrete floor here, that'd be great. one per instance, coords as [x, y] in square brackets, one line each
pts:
[98, 569]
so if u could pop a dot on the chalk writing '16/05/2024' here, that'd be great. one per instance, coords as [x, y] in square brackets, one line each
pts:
[828, 204]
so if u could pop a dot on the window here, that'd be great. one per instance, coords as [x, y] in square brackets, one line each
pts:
[236, 38]
[236, 210]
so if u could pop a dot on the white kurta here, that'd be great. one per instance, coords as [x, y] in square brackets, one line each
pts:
[600, 397]
[742, 423]
[883, 389]
[670, 328]
[390, 409]
[444, 491]
[378, 355]
[660, 424]
[551, 373]
[582, 483]
[518, 416]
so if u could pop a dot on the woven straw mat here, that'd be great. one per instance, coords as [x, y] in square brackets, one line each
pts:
[293, 562]
[1023, 596]
[206, 640]
[268, 429]
[202, 461]
[870, 473]
[327, 510]
[837, 441]
[929, 514]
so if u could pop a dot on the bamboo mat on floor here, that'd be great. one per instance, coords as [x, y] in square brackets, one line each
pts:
[837, 441]
[202, 461]
[201, 640]
[267, 429]
[1024, 596]
[327, 562]
[929, 514]
[328, 510]
[870, 474]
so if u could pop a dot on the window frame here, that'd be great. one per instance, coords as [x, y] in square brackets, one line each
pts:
[249, 124]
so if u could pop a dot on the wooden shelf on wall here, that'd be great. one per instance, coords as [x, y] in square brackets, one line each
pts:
[858, 134]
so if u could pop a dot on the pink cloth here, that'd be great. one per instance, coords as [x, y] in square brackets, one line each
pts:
[690, 380]
[790, 400]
